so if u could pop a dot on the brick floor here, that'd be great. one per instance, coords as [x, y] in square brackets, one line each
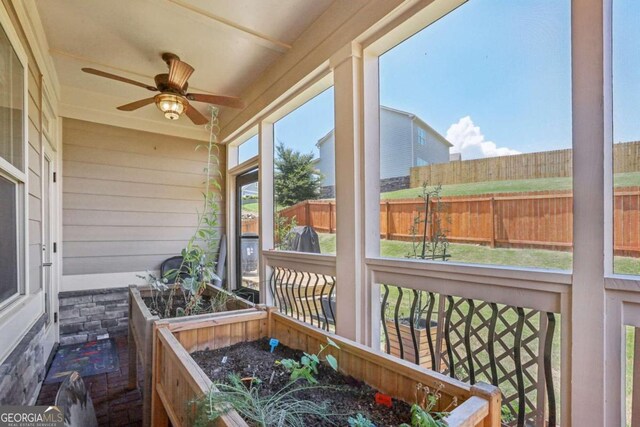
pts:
[114, 404]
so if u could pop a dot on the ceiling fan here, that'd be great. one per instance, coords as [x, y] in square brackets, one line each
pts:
[173, 99]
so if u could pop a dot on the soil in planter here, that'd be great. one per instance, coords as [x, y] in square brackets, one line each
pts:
[343, 395]
[178, 302]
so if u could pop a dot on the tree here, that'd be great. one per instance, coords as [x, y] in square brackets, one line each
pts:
[296, 179]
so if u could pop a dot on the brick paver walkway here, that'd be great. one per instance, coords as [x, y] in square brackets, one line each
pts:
[114, 404]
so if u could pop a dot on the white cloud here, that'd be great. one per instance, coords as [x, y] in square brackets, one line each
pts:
[468, 139]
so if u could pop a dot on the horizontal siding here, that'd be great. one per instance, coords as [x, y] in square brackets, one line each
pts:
[84, 233]
[128, 174]
[395, 144]
[131, 141]
[130, 198]
[104, 156]
[127, 218]
[131, 204]
[118, 264]
[129, 189]
[117, 248]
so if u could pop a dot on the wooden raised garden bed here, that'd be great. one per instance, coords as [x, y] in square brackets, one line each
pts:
[141, 322]
[178, 380]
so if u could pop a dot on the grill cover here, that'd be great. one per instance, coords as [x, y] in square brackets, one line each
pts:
[303, 239]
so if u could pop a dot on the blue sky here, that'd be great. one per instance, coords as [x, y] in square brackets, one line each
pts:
[494, 77]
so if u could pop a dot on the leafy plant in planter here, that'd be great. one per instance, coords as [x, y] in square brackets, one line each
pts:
[422, 414]
[279, 409]
[198, 267]
[360, 421]
[307, 367]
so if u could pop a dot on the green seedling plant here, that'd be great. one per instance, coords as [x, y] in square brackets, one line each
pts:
[422, 414]
[278, 410]
[360, 421]
[307, 366]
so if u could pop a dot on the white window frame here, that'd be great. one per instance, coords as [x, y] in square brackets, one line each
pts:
[20, 178]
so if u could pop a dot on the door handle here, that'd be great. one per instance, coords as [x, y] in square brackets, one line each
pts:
[47, 264]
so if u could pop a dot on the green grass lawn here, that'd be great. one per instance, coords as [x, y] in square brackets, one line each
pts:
[250, 207]
[476, 254]
[513, 186]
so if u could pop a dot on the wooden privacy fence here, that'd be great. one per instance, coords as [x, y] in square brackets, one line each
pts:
[544, 164]
[540, 220]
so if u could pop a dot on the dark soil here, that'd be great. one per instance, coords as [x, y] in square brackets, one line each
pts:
[178, 302]
[344, 396]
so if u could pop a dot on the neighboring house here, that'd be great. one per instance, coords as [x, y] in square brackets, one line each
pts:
[405, 141]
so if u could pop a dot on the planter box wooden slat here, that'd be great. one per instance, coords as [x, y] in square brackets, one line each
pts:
[178, 380]
[141, 335]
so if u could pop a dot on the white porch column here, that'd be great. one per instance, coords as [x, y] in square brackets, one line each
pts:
[265, 207]
[591, 185]
[347, 77]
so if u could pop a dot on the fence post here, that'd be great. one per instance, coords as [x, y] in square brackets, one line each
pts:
[492, 210]
[388, 222]
[330, 218]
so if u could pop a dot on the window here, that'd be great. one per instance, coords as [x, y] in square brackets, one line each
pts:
[490, 82]
[248, 149]
[626, 137]
[304, 173]
[12, 166]
[422, 136]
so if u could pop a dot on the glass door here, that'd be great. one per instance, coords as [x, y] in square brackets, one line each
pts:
[248, 239]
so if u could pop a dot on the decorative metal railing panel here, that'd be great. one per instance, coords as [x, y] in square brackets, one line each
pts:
[473, 340]
[306, 296]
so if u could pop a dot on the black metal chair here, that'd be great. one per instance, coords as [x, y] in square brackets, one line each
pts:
[172, 264]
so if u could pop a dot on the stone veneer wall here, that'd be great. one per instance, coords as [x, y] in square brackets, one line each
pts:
[25, 367]
[396, 183]
[84, 315]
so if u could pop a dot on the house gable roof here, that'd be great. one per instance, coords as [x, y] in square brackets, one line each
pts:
[411, 116]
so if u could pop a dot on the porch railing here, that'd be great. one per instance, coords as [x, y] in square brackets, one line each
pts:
[474, 340]
[496, 325]
[303, 286]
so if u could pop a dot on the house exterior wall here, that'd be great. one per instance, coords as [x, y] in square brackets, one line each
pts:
[326, 160]
[399, 151]
[26, 336]
[433, 151]
[130, 199]
[396, 138]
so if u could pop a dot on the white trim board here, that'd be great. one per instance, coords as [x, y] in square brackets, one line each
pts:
[87, 282]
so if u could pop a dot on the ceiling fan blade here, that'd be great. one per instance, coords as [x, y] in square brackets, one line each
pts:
[195, 115]
[137, 104]
[225, 101]
[179, 73]
[118, 78]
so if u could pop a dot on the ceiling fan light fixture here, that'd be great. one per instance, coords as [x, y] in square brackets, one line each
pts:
[172, 106]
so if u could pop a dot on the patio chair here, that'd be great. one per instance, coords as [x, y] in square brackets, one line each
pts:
[75, 402]
[173, 263]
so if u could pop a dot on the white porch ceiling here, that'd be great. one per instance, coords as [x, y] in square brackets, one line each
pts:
[229, 43]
